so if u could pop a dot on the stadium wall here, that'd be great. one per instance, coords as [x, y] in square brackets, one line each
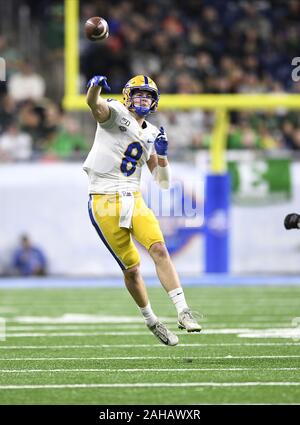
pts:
[49, 202]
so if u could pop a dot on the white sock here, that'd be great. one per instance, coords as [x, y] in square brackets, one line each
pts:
[148, 314]
[177, 296]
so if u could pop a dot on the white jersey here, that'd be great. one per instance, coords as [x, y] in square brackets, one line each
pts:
[121, 147]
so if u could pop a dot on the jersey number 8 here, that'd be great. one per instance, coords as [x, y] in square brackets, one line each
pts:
[131, 156]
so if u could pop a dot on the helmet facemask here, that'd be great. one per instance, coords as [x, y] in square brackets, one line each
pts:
[145, 84]
[138, 105]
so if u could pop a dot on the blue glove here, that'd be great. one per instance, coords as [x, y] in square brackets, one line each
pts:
[99, 80]
[161, 143]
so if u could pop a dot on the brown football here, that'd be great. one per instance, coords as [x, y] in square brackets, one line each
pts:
[96, 28]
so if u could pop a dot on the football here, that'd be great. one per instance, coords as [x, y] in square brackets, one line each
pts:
[96, 28]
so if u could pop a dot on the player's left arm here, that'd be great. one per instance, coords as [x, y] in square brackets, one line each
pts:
[158, 163]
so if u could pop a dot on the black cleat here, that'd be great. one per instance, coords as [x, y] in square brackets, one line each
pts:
[292, 221]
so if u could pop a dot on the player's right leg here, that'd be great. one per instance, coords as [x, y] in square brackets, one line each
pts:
[292, 221]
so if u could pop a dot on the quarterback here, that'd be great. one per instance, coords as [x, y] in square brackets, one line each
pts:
[124, 142]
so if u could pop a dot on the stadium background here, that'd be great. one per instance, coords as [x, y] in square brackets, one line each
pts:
[229, 103]
[225, 54]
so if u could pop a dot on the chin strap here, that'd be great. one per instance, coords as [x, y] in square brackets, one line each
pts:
[141, 110]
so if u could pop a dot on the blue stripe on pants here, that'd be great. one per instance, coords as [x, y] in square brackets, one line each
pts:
[95, 224]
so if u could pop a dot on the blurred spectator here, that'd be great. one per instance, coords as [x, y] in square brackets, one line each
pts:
[26, 84]
[52, 40]
[67, 142]
[15, 145]
[29, 260]
[287, 134]
[252, 36]
[184, 128]
[296, 138]
[32, 121]
[267, 140]
[40, 120]
[243, 137]
[254, 19]
[12, 57]
[53, 33]
[8, 112]
[237, 46]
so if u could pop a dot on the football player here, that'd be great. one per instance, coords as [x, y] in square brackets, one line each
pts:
[124, 142]
[292, 221]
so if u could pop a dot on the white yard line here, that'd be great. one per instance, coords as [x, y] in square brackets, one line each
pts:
[292, 332]
[82, 346]
[54, 334]
[229, 357]
[142, 370]
[78, 327]
[243, 326]
[75, 318]
[151, 385]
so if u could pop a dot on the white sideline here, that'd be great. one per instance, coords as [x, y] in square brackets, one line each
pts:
[129, 327]
[150, 385]
[292, 332]
[220, 344]
[208, 369]
[170, 357]
[75, 318]
[53, 334]
[81, 318]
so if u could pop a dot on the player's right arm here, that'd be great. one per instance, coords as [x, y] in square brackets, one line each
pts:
[99, 106]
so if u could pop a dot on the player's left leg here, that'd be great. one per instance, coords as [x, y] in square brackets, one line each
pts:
[169, 279]
[147, 231]
[137, 289]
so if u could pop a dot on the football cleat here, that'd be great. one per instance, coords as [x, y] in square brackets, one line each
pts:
[163, 334]
[187, 321]
[292, 221]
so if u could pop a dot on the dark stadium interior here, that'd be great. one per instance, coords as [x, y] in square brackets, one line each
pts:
[186, 47]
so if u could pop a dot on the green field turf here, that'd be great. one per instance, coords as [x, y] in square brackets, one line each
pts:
[90, 346]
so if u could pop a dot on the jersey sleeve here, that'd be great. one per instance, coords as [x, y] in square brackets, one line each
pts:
[116, 109]
[152, 151]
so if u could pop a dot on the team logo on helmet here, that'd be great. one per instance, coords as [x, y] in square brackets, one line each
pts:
[140, 82]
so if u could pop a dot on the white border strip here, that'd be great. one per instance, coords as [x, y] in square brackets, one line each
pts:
[153, 384]
[188, 358]
[221, 344]
[229, 369]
